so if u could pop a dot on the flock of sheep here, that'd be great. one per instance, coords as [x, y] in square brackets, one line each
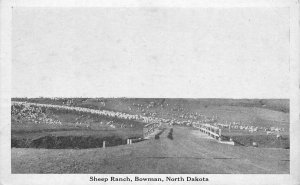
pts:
[250, 128]
[190, 119]
[34, 113]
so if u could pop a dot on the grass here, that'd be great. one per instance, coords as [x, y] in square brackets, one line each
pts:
[244, 138]
[121, 104]
[253, 112]
[91, 132]
[77, 148]
[185, 154]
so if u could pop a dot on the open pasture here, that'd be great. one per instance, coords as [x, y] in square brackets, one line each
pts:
[36, 127]
[69, 138]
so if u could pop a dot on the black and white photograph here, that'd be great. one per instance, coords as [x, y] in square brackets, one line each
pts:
[120, 135]
[149, 92]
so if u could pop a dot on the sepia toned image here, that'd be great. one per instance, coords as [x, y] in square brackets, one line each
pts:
[142, 92]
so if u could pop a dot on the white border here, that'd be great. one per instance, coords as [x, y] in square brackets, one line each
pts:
[5, 164]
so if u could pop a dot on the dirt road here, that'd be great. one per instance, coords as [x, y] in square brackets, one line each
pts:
[186, 151]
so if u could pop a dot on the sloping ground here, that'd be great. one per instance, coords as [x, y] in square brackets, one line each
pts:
[281, 105]
[36, 127]
[247, 111]
[188, 151]
[256, 112]
[73, 139]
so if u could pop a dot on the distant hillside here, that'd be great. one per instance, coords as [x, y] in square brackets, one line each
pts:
[282, 105]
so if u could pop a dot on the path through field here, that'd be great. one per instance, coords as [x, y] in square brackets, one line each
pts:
[186, 151]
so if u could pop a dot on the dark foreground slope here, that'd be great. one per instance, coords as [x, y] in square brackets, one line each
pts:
[187, 151]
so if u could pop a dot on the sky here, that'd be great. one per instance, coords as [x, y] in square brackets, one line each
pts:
[150, 52]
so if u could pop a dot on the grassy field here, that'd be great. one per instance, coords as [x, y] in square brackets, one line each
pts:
[262, 140]
[76, 130]
[48, 140]
[188, 152]
[269, 112]
[281, 105]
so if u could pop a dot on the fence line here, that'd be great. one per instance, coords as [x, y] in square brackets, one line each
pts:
[212, 131]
